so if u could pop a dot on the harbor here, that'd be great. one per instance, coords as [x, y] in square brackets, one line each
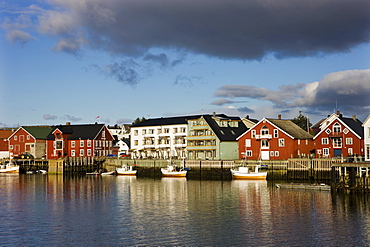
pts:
[342, 176]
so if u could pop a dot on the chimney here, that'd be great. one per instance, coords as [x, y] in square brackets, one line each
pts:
[354, 118]
[338, 113]
[68, 123]
[214, 114]
[279, 117]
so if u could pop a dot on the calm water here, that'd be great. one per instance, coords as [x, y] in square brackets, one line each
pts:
[52, 210]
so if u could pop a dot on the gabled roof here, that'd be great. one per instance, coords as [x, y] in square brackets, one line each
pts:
[38, 132]
[225, 133]
[291, 128]
[365, 122]
[287, 126]
[353, 124]
[76, 132]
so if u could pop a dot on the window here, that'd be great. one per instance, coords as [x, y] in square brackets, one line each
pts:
[136, 132]
[249, 153]
[324, 141]
[89, 152]
[319, 151]
[253, 134]
[299, 141]
[166, 130]
[82, 153]
[276, 153]
[272, 153]
[143, 132]
[103, 134]
[28, 137]
[248, 143]
[58, 136]
[264, 144]
[73, 144]
[276, 133]
[136, 142]
[350, 151]
[336, 128]
[337, 142]
[264, 130]
[59, 145]
[15, 138]
[151, 131]
[88, 143]
[328, 131]
[349, 141]
[73, 153]
[325, 151]
[81, 143]
[281, 142]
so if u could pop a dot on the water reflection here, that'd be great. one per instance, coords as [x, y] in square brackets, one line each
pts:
[110, 211]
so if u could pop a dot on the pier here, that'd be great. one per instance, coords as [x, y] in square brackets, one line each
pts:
[352, 177]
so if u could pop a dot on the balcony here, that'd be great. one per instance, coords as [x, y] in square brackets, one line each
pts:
[268, 136]
[200, 137]
[335, 134]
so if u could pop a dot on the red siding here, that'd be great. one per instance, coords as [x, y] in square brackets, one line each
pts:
[292, 148]
[18, 142]
[356, 146]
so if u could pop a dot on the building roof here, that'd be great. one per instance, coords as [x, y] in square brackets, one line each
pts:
[169, 120]
[354, 124]
[38, 132]
[291, 128]
[76, 132]
[225, 133]
[5, 134]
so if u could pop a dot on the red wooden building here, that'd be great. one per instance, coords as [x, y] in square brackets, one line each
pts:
[339, 136]
[29, 139]
[79, 141]
[4, 143]
[275, 139]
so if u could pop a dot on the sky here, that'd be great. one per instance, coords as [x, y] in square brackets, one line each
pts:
[112, 61]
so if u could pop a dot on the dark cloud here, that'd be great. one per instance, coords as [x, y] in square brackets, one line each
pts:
[245, 110]
[240, 29]
[49, 117]
[346, 90]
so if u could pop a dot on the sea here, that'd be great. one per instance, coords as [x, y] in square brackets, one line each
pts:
[81, 210]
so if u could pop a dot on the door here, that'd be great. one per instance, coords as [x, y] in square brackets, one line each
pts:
[265, 155]
[337, 152]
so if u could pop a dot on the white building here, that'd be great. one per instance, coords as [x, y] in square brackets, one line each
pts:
[366, 126]
[160, 138]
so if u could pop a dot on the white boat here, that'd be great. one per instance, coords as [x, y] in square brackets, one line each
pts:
[126, 170]
[244, 173]
[9, 168]
[107, 173]
[171, 171]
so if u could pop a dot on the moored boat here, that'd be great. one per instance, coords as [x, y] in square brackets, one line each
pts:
[245, 173]
[126, 170]
[172, 171]
[107, 173]
[9, 168]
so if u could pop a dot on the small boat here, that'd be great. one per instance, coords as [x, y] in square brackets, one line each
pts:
[171, 171]
[244, 173]
[9, 168]
[42, 171]
[304, 186]
[126, 170]
[108, 173]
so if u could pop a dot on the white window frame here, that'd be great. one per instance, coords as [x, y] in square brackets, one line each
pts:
[253, 134]
[281, 142]
[276, 133]
[337, 143]
[248, 143]
[73, 144]
[325, 152]
[324, 141]
[349, 141]
[276, 153]
[73, 153]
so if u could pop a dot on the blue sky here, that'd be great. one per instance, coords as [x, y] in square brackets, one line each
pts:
[71, 61]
